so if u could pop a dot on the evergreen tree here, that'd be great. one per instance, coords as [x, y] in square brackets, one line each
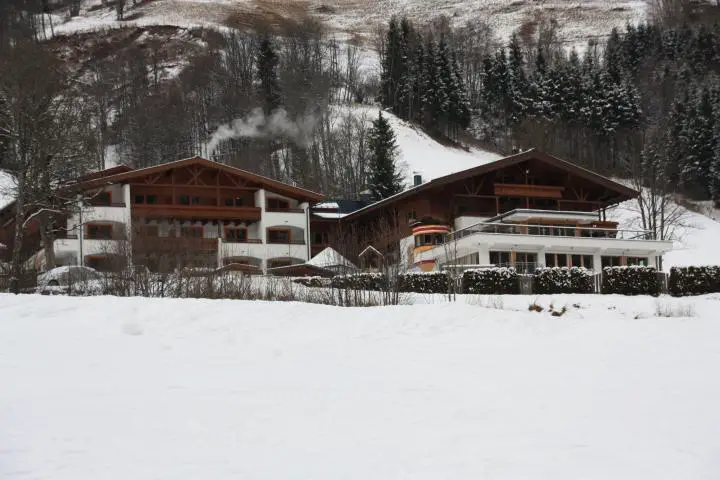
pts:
[385, 180]
[699, 138]
[267, 63]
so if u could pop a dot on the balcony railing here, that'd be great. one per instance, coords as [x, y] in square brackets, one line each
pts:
[197, 211]
[286, 242]
[284, 210]
[247, 240]
[105, 204]
[550, 231]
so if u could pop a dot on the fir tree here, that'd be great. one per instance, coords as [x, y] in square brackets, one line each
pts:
[267, 62]
[385, 180]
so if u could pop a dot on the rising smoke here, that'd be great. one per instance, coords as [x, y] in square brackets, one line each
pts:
[258, 125]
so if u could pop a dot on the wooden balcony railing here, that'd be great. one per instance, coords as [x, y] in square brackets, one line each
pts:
[285, 210]
[197, 211]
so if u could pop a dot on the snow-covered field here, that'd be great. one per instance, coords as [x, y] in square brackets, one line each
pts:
[7, 189]
[113, 388]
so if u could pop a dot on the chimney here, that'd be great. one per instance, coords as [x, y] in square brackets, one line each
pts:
[417, 179]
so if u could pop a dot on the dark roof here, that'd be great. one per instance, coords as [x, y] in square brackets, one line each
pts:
[623, 192]
[105, 173]
[290, 190]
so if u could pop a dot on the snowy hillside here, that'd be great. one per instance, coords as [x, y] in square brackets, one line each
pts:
[578, 21]
[7, 187]
[420, 153]
[112, 388]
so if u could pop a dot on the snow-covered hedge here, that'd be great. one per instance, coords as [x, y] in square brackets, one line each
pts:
[497, 280]
[429, 282]
[636, 280]
[360, 281]
[694, 280]
[312, 281]
[563, 280]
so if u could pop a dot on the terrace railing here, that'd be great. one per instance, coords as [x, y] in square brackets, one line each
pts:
[550, 231]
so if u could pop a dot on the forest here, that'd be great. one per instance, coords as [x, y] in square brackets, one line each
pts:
[643, 104]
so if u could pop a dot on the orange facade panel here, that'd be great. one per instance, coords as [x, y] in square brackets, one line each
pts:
[204, 212]
[519, 190]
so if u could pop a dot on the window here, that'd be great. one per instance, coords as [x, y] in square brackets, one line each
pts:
[277, 204]
[147, 230]
[99, 232]
[191, 232]
[151, 199]
[139, 199]
[235, 235]
[188, 200]
[611, 261]
[639, 261]
[411, 216]
[320, 238]
[429, 239]
[234, 202]
[277, 235]
[103, 199]
[500, 258]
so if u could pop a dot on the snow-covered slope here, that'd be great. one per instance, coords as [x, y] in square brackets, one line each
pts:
[696, 235]
[577, 21]
[418, 152]
[113, 388]
[7, 189]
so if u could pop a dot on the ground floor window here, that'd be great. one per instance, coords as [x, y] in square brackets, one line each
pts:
[191, 232]
[101, 232]
[637, 261]
[235, 235]
[611, 261]
[501, 259]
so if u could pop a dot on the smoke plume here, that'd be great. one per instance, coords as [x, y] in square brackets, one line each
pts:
[258, 125]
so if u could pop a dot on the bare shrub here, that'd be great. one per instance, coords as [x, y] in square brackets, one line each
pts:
[674, 310]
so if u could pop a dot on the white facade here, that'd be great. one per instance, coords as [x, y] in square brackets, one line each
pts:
[479, 241]
[258, 248]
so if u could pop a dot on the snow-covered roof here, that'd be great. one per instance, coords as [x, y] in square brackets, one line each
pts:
[330, 214]
[330, 258]
[327, 205]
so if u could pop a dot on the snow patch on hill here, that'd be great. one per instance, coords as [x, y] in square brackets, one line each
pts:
[133, 388]
[418, 152]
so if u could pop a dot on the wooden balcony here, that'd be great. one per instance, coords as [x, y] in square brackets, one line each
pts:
[249, 214]
[160, 245]
[522, 190]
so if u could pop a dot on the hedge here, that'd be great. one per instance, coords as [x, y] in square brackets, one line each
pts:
[498, 280]
[360, 281]
[429, 282]
[311, 281]
[563, 280]
[694, 280]
[636, 280]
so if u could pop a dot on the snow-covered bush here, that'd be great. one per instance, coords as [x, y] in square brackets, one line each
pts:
[427, 282]
[312, 281]
[496, 280]
[360, 281]
[563, 280]
[635, 280]
[694, 280]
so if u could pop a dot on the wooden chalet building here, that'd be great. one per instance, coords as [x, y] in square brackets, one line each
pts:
[526, 210]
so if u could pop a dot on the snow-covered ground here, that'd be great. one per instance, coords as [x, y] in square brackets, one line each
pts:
[130, 388]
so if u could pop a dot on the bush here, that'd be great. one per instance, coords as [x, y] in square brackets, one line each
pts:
[635, 280]
[563, 280]
[497, 280]
[360, 281]
[312, 281]
[430, 282]
[693, 280]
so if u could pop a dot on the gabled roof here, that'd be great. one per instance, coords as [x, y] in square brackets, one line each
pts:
[270, 184]
[623, 192]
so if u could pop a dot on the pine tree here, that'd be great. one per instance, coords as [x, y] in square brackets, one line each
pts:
[389, 65]
[385, 180]
[267, 62]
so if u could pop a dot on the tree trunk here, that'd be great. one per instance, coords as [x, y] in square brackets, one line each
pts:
[16, 261]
